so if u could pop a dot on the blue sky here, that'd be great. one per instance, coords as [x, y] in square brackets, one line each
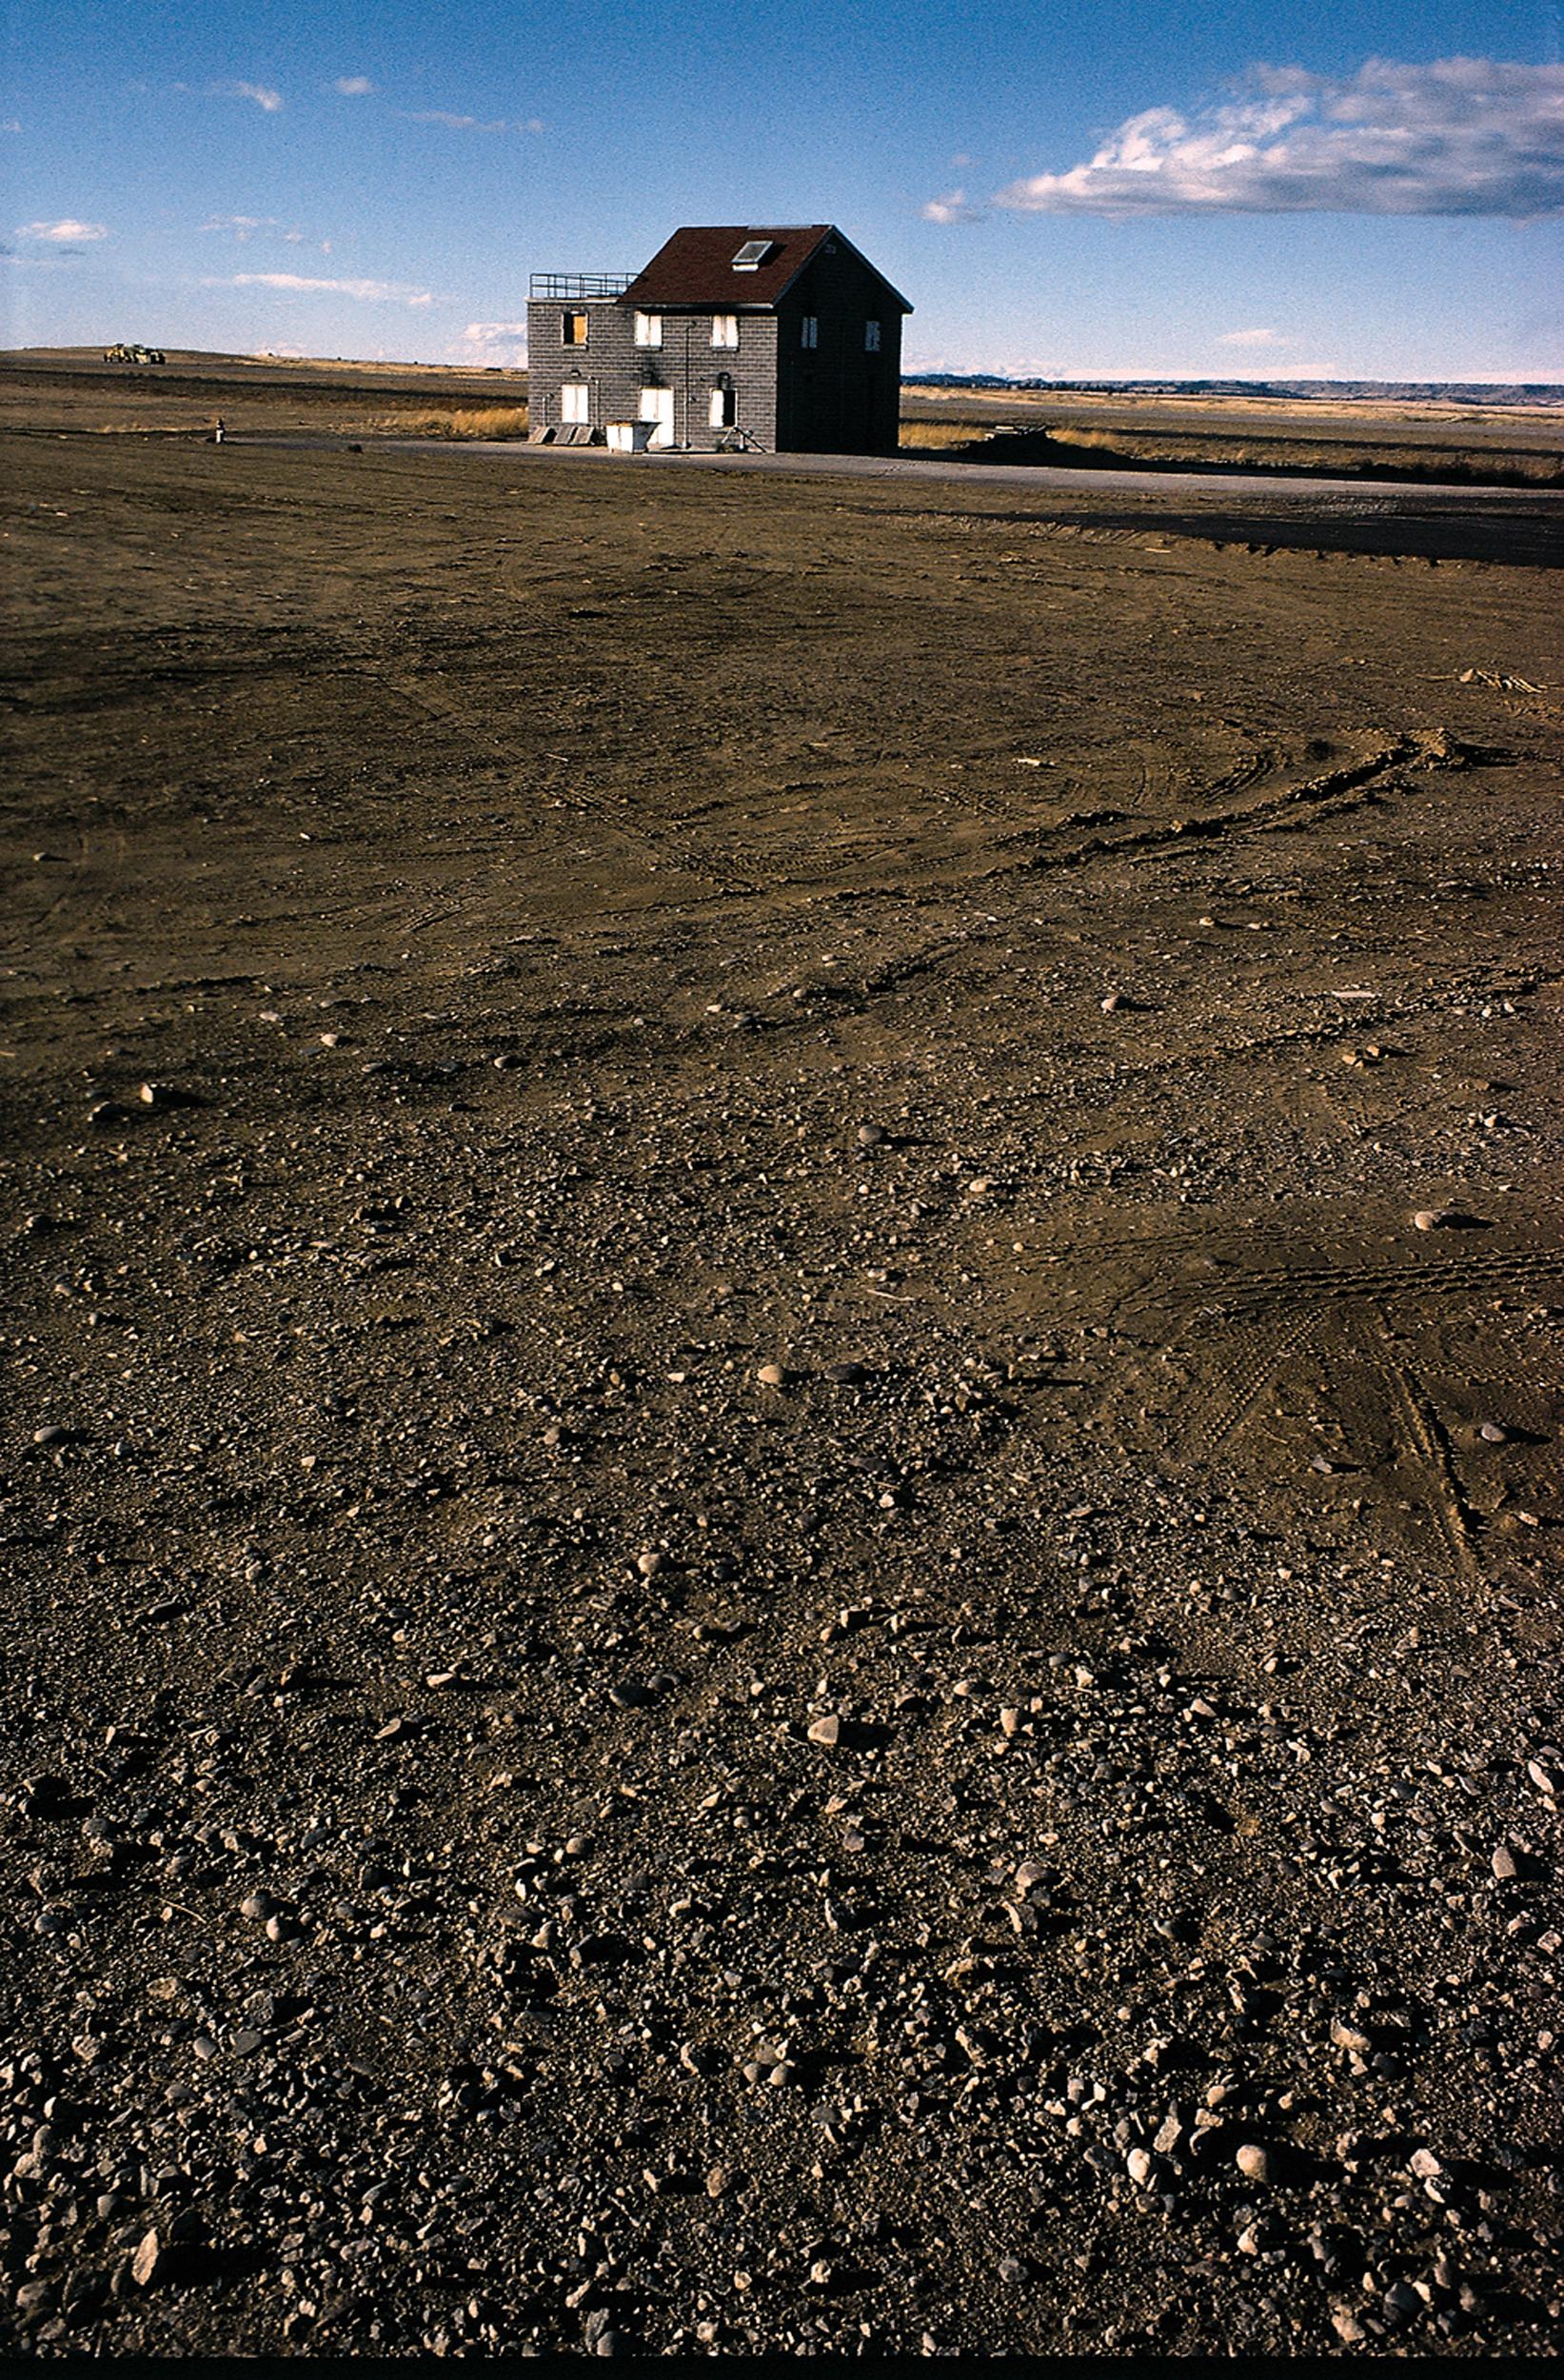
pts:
[1368, 190]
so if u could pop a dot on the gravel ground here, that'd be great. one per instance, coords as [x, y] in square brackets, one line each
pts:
[784, 1308]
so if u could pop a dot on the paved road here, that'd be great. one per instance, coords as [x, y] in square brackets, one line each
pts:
[1436, 523]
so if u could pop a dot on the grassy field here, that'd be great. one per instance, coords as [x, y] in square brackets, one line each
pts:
[75, 390]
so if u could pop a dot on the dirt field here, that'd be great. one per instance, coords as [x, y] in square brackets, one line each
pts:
[784, 1465]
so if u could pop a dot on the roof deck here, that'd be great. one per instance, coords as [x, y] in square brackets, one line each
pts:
[570, 287]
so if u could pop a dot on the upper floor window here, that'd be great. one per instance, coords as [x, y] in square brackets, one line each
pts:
[871, 337]
[648, 331]
[572, 330]
[725, 331]
[809, 330]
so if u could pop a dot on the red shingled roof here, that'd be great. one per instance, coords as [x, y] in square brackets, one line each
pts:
[695, 267]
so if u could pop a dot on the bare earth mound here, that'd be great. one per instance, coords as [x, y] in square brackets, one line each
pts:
[783, 1479]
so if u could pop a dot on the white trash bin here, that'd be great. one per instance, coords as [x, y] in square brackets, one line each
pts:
[630, 437]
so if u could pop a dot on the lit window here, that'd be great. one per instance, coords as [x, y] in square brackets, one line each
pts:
[724, 407]
[809, 330]
[725, 331]
[871, 337]
[574, 401]
[648, 331]
[572, 330]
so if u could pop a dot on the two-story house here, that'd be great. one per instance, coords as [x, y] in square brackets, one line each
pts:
[782, 340]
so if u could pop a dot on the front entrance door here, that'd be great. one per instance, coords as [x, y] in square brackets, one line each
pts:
[656, 408]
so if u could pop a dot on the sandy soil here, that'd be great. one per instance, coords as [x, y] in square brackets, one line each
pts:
[773, 1599]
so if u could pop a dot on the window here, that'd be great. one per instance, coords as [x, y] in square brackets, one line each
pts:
[575, 400]
[724, 405]
[572, 330]
[809, 330]
[725, 331]
[871, 337]
[648, 331]
[753, 255]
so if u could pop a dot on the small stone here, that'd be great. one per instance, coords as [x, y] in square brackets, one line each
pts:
[1425, 2165]
[1347, 2327]
[257, 1907]
[826, 1731]
[143, 2263]
[772, 1375]
[1503, 1863]
[52, 1434]
[1494, 1432]
[1010, 1719]
[1348, 2037]
[1254, 2162]
[650, 1563]
[1428, 1219]
[1543, 1779]
[1111, 1004]
[870, 1136]
[844, 1375]
[1138, 2167]
[1030, 1873]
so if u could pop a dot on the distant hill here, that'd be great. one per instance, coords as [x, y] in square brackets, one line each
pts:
[1483, 392]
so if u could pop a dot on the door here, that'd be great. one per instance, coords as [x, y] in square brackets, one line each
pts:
[656, 408]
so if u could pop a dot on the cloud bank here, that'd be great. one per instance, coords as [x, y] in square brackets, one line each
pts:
[1463, 136]
[494, 343]
[951, 208]
[268, 100]
[374, 293]
[67, 230]
[452, 123]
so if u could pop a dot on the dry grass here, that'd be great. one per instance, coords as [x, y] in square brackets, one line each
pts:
[483, 420]
[941, 434]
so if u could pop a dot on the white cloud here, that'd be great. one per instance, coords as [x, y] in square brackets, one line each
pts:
[494, 343]
[241, 225]
[951, 208]
[375, 293]
[67, 231]
[353, 85]
[1253, 339]
[268, 100]
[1463, 136]
[452, 123]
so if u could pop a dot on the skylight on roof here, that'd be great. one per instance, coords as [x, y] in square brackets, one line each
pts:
[753, 255]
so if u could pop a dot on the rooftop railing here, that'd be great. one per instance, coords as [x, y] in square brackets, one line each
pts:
[567, 285]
